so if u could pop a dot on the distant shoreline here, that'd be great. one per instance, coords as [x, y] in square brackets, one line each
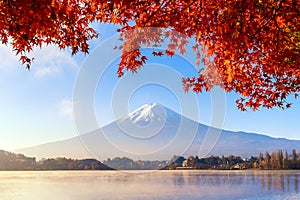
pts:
[270, 161]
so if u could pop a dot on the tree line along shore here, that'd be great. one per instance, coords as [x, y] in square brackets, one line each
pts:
[267, 161]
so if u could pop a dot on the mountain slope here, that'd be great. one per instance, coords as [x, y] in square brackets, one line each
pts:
[155, 132]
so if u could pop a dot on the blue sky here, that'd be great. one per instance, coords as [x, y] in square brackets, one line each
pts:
[36, 105]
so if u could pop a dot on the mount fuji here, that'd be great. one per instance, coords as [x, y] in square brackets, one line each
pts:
[155, 132]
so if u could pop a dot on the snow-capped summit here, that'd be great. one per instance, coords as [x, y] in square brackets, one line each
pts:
[145, 114]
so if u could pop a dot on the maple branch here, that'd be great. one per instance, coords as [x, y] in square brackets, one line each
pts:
[272, 18]
[278, 27]
[189, 5]
[277, 35]
[156, 11]
[176, 13]
[242, 16]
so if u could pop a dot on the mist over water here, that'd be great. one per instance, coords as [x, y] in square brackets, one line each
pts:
[161, 185]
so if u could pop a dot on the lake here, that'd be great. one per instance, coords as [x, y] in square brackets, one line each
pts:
[160, 185]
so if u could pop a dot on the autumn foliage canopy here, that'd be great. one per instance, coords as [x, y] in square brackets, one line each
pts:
[251, 47]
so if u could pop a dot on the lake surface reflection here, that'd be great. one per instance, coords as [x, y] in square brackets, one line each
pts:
[158, 185]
